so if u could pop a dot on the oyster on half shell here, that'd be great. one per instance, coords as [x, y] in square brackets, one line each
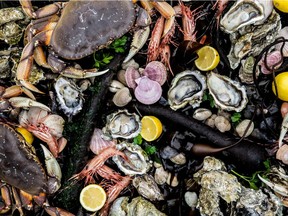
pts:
[69, 96]
[186, 87]
[246, 12]
[139, 162]
[228, 94]
[122, 124]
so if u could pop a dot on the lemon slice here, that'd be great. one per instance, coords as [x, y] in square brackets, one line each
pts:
[282, 86]
[26, 134]
[151, 128]
[281, 5]
[208, 58]
[92, 197]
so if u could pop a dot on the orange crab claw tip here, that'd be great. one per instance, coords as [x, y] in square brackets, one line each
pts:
[29, 86]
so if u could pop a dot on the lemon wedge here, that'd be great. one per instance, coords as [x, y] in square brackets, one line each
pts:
[208, 58]
[151, 128]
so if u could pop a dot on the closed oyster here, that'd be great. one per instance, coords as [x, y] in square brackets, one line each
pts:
[246, 12]
[186, 87]
[122, 124]
[228, 94]
[246, 70]
[69, 96]
[140, 206]
[138, 163]
[147, 187]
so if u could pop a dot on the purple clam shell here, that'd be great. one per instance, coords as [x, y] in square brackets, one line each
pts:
[156, 71]
[148, 91]
[131, 75]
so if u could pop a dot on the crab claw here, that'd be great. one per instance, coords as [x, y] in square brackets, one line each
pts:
[23, 102]
[53, 170]
[277, 188]
[75, 73]
[15, 90]
[284, 128]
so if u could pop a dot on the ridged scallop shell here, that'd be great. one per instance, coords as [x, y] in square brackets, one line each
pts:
[98, 142]
[131, 74]
[228, 94]
[156, 71]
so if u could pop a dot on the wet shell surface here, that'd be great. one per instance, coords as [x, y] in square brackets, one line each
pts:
[228, 94]
[122, 124]
[156, 71]
[186, 87]
[139, 162]
[122, 97]
[69, 96]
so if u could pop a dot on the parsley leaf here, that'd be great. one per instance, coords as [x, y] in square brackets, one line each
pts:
[236, 117]
[119, 44]
[138, 140]
[150, 149]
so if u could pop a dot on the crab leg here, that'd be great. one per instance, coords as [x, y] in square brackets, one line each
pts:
[47, 10]
[284, 128]
[15, 90]
[23, 102]
[72, 72]
[26, 60]
[6, 197]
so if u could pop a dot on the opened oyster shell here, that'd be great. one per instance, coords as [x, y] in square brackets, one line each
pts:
[228, 94]
[122, 124]
[186, 87]
[69, 96]
[138, 163]
[246, 12]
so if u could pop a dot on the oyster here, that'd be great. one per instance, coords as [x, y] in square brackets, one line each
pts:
[252, 39]
[12, 24]
[228, 94]
[246, 12]
[122, 124]
[147, 187]
[186, 87]
[246, 70]
[69, 96]
[139, 162]
[137, 207]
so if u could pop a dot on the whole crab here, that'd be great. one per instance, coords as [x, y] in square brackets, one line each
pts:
[72, 30]
[21, 168]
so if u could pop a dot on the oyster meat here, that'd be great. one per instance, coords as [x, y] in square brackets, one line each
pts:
[147, 187]
[246, 12]
[186, 87]
[122, 124]
[69, 96]
[228, 94]
[139, 162]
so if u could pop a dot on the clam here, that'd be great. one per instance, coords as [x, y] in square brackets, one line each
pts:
[228, 94]
[115, 86]
[273, 60]
[156, 71]
[147, 91]
[186, 87]
[138, 163]
[222, 124]
[160, 175]
[201, 114]
[242, 126]
[122, 124]
[130, 63]
[131, 74]
[69, 96]
[122, 97]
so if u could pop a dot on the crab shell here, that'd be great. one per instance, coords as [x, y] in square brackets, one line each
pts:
[86, 26]
[19, 165]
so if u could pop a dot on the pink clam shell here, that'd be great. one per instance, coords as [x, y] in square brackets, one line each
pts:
[98, 143]
[148, 91]
[283, 33]
[156, 71]
[131, 75]
[273, 59]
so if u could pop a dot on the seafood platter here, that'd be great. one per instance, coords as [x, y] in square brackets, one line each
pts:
[131, 108]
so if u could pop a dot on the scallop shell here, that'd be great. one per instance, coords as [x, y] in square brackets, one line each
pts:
[156, 71]
[131, 75]
[98, 143]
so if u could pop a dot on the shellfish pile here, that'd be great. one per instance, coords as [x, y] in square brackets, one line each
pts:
[75, 88]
